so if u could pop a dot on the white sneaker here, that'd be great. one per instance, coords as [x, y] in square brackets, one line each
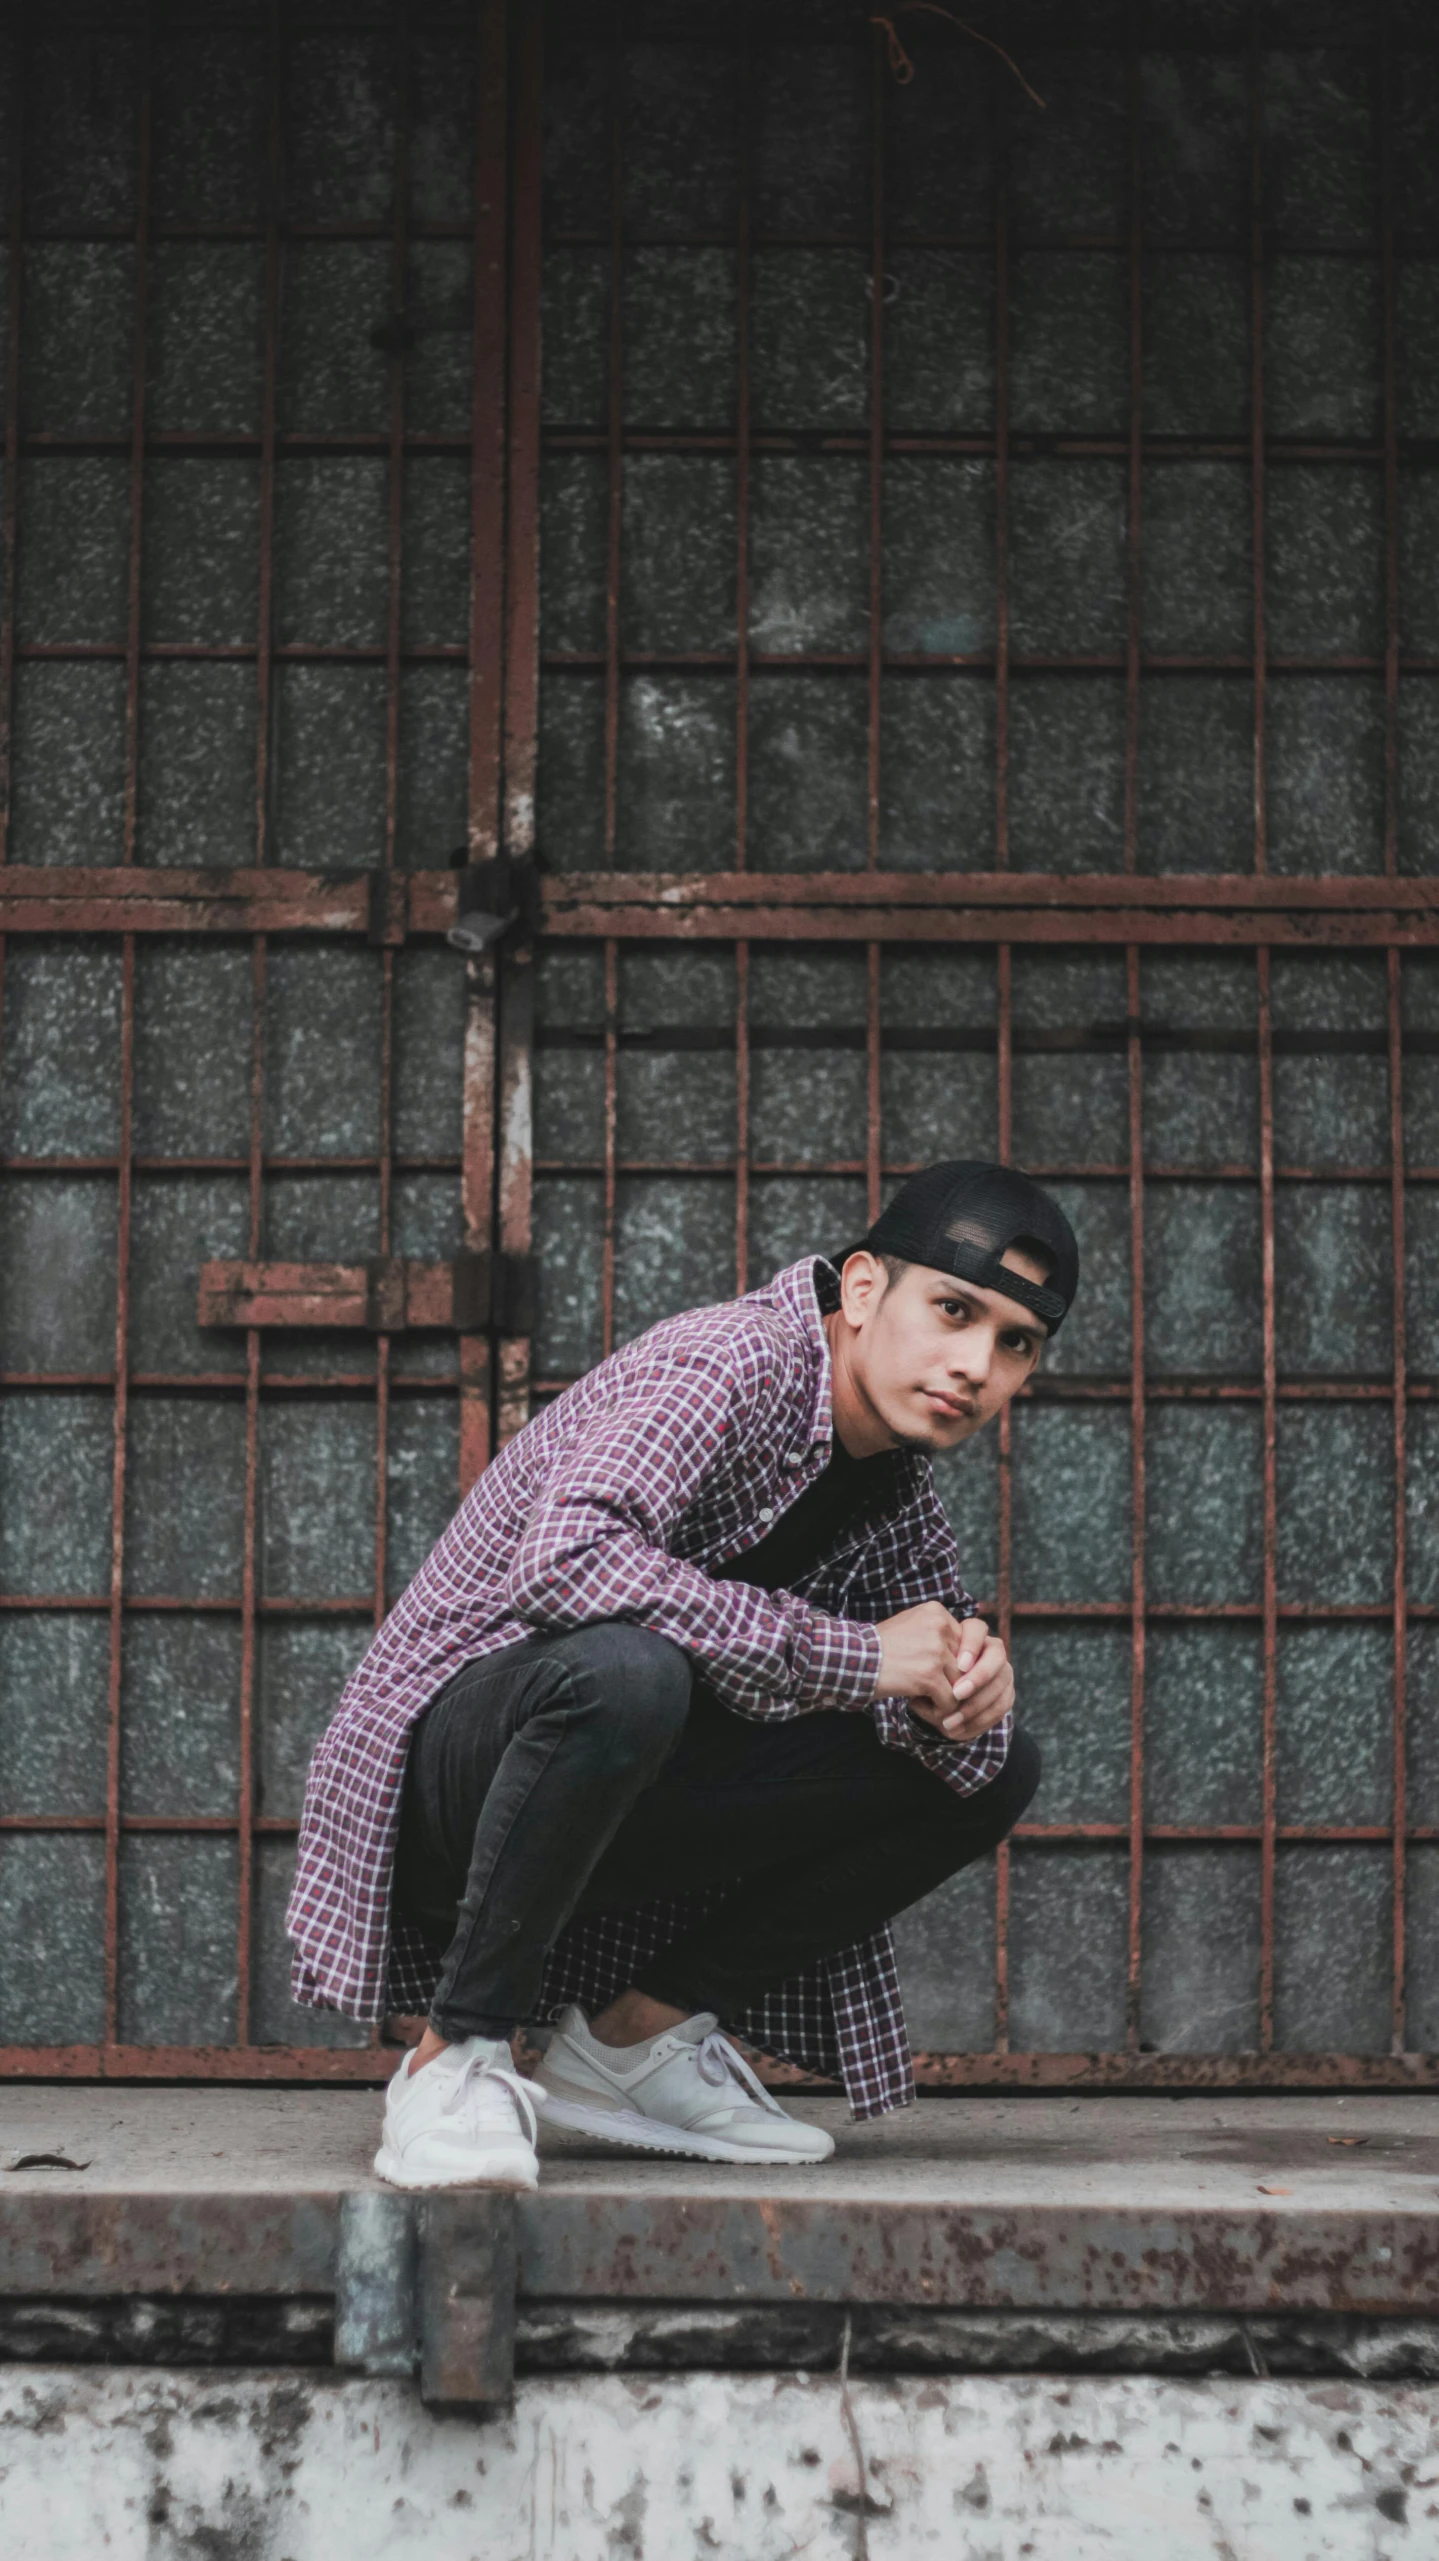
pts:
[467, 2120]
[685, 2091]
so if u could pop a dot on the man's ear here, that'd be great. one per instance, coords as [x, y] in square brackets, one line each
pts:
[861, 1285]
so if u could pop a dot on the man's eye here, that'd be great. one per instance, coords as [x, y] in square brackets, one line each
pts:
[953, 1307]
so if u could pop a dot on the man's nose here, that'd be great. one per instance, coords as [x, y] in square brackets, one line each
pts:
[973, 1353]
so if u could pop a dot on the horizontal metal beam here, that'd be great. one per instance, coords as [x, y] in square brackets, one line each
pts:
[984, 907]
[387, 1295]
[993, 907]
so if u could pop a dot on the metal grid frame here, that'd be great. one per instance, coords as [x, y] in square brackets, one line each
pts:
[997, 910]
[499, 659]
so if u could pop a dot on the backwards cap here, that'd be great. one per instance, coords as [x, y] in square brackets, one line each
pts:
[961, 1217]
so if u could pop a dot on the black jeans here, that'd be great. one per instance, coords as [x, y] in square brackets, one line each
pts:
[587, 1772]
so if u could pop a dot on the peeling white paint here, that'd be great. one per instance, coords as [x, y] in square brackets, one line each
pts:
[270, 2467]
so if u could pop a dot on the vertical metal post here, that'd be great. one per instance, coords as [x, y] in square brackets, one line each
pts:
[1398, 2015]
[127, 1061]
[1001, 486]
[741, 1165]
[607, 1249]
[615, 451]
[1268, 1814]
[486, 684]
[259, 965]
[1138, 1624]
[876, 602]
[394, 573]
[742, 448]
[522, 677]
[1004, 1078]
[10, 501]
[1004, 1056]
[1135, 1061]
[522, 578]
[876, 445]
[10, 497]
[873, 1089]
[743, 254]
[1270, 1603]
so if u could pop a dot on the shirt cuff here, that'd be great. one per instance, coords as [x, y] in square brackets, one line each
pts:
[836, 1661]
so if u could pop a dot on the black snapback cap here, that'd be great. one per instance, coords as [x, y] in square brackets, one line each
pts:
[961, 1217]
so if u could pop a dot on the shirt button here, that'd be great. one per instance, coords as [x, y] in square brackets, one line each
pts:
[766, 1511]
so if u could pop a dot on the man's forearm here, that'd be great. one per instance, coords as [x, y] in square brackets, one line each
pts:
[761, 1652]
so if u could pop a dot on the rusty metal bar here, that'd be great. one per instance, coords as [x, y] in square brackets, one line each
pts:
[522, 575]
[477, 1182]
[516, 1169]
[1134, 1058]
[1266, 1051]
[259, 978]
[10, 499]
[1177, 1613]
[486, 689]
[1001, 483]
[521, 680]
[614, 432]
[250, 1569]
[742, 1132]
[1004, 1605]
[1394, 996]
[1270, 1604]
[371, 2067]
[742, 436]
[285, 1827]
[875, 657]
[607, 1244]
[1318, 911]
[873, 1082]
[487, 499]
[124, 1178]
[394, 576]
[1137, 1402]
[1004, 1054]
[390, 1295]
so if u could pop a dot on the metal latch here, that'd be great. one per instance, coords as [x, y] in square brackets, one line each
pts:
[490, 897]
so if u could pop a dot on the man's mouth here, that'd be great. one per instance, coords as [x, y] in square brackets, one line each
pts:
[959, 1408]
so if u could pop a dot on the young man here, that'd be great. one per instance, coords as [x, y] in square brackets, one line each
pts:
[686, 1704]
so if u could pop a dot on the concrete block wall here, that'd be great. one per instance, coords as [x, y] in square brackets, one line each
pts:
[293, 2466]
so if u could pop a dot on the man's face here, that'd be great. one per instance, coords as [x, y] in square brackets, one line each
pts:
[933, 1358]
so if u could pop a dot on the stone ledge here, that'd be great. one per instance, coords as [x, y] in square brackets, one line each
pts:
[1130, 2210]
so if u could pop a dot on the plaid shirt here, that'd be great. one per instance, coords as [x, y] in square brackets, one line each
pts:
[620, 1500]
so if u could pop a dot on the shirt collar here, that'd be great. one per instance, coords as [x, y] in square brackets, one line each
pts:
[805, 1290]
[799, 1289]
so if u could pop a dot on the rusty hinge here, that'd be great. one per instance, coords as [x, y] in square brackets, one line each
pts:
[474, 1293]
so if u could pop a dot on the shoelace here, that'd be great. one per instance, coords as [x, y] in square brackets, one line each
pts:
[719, 2062]
[522, 2091]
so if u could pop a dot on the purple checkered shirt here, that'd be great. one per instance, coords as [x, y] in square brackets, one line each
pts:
[620, 1500]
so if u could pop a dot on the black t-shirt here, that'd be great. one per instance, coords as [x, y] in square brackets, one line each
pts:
[849, 1488]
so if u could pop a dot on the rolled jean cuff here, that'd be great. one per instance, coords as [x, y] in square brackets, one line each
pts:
[454, 2026]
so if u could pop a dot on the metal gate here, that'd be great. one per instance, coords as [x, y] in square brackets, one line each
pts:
[946, 663]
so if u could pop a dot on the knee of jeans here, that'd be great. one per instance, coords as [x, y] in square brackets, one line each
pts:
[640, 1683]
[1003, 1801]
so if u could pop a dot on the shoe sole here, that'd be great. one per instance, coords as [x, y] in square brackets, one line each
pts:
[647, 2134]
[390, 2167]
